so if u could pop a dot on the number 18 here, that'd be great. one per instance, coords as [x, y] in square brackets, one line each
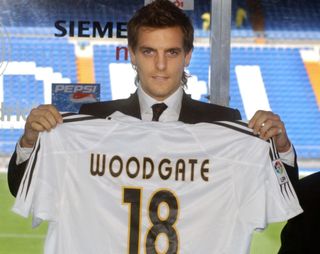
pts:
[159, 225]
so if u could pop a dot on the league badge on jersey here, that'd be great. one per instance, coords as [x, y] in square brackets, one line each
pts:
[280, 171]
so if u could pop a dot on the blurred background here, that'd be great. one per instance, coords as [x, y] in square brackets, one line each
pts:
[274, 65]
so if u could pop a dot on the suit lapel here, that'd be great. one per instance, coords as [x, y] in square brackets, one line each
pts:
[132, 106]
[187, 112]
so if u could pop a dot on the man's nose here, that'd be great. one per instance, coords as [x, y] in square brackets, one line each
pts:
[161, 61]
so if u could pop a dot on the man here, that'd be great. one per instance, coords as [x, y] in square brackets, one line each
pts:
[241, 16]
[301, 233]
[205, 21]
[160, 38]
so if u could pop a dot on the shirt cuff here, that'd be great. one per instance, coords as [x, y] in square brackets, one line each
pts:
[23, 153]
[288, 157]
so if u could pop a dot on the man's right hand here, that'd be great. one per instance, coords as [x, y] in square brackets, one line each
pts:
[42, 118]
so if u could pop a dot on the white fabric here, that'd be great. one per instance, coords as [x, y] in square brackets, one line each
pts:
[233, 190]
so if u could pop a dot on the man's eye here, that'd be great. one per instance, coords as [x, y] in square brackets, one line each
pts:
[173, 52]
[147, 51]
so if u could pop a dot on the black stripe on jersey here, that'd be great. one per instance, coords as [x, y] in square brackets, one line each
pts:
[281, 189]
[286, 186]
[78, 119]
[68, 114]
[31, 171]
[240, 122]
[290, 190]
[271, 154]
[74, 117]
[273, 150]
[230, 126]
[27, 172]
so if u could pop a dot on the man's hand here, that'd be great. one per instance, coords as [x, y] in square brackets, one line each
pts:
[267, 124]
[42, 118]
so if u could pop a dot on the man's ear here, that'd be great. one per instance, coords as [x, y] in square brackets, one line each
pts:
[132, 56]
[187, 58]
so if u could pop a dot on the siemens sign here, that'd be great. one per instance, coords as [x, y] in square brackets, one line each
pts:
[86, 29]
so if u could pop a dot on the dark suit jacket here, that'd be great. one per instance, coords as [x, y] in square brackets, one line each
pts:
[301, 235]
[192, 111]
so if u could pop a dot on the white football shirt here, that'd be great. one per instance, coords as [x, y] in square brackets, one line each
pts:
[127, 186]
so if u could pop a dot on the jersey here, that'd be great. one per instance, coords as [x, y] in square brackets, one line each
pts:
[120, 185]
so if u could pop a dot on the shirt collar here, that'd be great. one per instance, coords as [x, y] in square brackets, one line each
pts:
[173, 102]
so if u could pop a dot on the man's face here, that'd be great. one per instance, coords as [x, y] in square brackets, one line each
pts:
[160, 60]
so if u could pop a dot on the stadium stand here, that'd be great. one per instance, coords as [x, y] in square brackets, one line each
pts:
[54, 52]
[284, 74]
[292, 19]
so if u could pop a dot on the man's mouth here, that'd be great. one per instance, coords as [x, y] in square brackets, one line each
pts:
[160, 78]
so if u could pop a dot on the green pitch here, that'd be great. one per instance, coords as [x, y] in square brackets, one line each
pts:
[18, 237]
[16, 233]
[268, 241]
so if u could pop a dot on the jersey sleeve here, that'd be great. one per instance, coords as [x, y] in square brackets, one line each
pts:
[39, 190]
[268, 195]
[282, 201]
[273, 198]
[23, 201]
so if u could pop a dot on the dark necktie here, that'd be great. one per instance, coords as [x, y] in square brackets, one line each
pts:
[157, 109]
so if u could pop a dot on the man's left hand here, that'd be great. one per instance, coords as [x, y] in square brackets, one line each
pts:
[267, 124]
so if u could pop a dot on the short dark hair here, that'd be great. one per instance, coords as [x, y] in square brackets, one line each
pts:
[160, 14]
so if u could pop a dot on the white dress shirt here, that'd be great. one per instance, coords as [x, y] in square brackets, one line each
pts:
[171, 113]
[173, 102]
